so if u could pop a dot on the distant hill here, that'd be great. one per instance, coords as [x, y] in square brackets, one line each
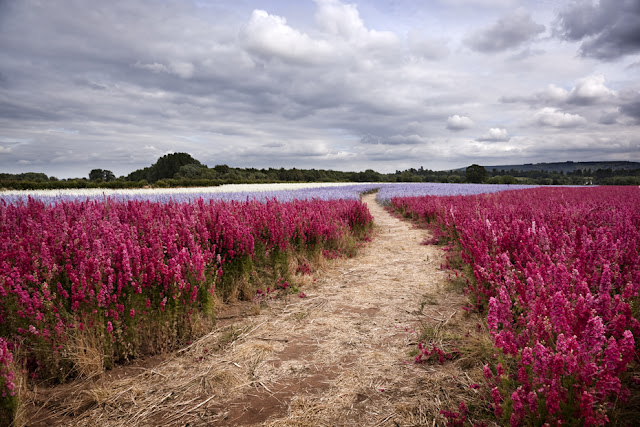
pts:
[566, 167]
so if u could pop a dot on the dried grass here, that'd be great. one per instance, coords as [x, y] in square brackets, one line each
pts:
[87, 353]
[22, 394]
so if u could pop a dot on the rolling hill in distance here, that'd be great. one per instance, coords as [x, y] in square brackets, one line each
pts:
[565, 167]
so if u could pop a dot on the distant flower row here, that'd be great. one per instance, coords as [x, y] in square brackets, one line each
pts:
[241, 192]
[238, 192]
[558, 270]
[387, 192]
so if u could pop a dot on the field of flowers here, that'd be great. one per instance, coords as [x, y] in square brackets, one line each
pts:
[557, 272]
[416, 189]
[91, 278]
[95, 280]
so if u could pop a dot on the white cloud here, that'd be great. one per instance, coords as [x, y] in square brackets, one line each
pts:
[344, 20]
[340, 19]
[555, 93]
[269, 35]
[496, 135]
[590, 90]
[551, 117]
[457, 122]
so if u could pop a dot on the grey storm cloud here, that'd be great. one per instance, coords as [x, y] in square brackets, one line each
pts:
[508, 32]
[608, 29]
[631, 108]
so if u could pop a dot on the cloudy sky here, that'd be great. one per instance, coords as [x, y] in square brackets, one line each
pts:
[331, 84]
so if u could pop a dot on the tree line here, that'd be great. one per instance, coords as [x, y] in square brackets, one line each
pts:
[182, 170]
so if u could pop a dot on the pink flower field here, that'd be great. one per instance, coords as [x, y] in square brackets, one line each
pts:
[557, 272]
[135, 277]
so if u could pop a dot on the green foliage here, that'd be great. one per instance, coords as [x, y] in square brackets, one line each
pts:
[222, 169]
[190, 171]
[476, 174]
[167, 167]
[27, 176]
[8, 408]
[101, 175]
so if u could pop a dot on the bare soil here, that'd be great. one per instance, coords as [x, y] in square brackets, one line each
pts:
[343, 355]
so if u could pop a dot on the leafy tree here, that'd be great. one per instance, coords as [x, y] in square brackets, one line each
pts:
[508, 179]
[476, 174]
[367, 176]
[190, 171]
[222, 169]
[101, 175]
[26, 176]
[165, 168]
[140, 175]
[95, 175]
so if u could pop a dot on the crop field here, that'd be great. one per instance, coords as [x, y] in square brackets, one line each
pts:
[89, 280]
[557, 271]
[126, 276]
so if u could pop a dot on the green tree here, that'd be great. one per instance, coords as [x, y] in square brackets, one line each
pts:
[101, 175]
[508, 179]
[222, 169]
[165, 168]
[190, 171]
[476, 174]
[95, 175]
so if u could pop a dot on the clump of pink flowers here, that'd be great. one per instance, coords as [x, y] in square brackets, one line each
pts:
[557, 271]
[426, 354]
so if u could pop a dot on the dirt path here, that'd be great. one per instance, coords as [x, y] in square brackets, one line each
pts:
[340, 356]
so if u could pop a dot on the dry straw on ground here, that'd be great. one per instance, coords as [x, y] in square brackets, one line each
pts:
[341, 356]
